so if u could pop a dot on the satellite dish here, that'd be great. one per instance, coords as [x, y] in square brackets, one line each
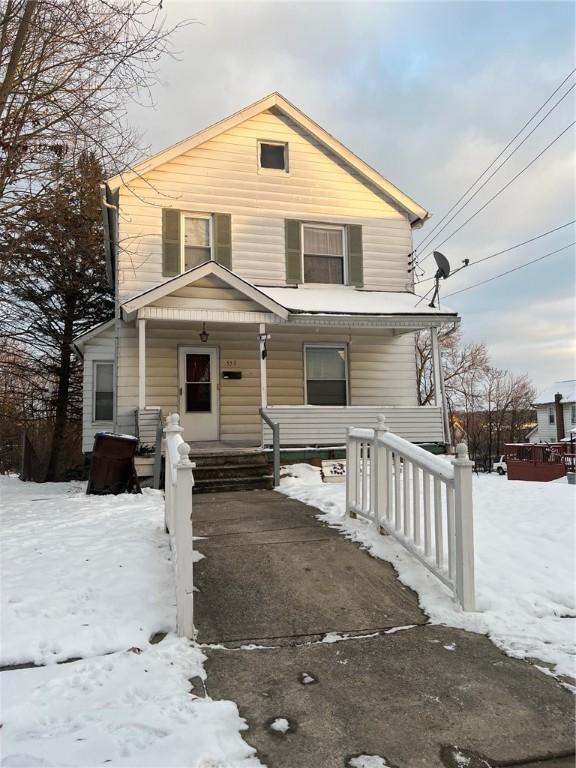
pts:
[443, 265]
[441, 274]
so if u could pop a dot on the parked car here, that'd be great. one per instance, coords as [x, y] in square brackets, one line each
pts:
[500, 466]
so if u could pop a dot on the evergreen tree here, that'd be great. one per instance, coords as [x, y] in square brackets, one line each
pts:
[55, 283]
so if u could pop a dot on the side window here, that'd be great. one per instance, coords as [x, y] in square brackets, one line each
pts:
[103, 392]
[573, 414]
[551, 415]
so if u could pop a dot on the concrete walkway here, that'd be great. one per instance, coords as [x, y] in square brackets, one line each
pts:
[272, 586]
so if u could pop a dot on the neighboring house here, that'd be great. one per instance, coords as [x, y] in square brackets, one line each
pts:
[556, 413]
[259, 264]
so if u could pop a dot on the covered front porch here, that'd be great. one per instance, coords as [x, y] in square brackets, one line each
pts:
[230, 357]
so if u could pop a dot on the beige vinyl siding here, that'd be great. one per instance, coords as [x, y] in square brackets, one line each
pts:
[100, 348]
[239, 399]
[222, 175]
[381, 368]
[381, 371]
[309, 425]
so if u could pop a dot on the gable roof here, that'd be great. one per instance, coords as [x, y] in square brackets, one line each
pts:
[198, 273]
[277, 102]
[566, 388]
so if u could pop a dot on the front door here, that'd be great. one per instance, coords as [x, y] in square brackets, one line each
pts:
[198, 382]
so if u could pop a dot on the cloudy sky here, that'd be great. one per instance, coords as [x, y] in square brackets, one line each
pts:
[429, 94]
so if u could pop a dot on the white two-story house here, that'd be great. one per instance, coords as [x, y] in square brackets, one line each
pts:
[260, 266]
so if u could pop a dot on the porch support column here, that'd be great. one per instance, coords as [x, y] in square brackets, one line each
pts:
[141, 364]
[438, 379]
[263, 369]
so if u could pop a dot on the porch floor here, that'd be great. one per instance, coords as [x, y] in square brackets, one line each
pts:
[275, 581]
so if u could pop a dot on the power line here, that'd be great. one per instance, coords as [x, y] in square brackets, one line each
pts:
[509, 271]
[502, 189]
[503, 163]
[512, 140]
[511, 248]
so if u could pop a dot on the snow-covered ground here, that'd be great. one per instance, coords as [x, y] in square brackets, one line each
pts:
[84, 576]
[524, 538]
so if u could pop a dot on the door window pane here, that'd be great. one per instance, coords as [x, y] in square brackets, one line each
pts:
[197, 368]
[198, 387]
[103, 391]
[326, 375]
[198, 398]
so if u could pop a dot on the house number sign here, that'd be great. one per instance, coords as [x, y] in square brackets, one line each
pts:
[229, 363]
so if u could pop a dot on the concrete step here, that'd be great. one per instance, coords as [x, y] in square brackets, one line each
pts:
[215, 485]
[216, 459]
[222, 471]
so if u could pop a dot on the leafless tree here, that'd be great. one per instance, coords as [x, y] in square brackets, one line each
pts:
[68, 69]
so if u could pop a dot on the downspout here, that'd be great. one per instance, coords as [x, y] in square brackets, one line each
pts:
[110, 224]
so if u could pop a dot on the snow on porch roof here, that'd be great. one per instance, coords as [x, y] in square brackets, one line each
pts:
[566, 388]
[343, 300]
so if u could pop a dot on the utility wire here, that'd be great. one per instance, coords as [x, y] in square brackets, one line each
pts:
[511, 248]
[502, 189]
[509, 271]
[512, 140]
[502, 164]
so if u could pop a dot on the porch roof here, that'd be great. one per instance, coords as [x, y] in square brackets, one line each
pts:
[244, 302]
[345, 300]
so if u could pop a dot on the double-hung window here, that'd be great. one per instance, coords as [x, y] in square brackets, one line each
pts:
[573, 414]
[324, 254]
[551, 415]
[326, 374]
[103, 391]
[197, 240]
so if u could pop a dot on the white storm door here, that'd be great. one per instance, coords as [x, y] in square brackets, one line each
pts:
[198, 386]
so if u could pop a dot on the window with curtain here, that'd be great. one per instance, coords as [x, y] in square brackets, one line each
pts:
[323, 254]
[326, 375]
[197, 241]
[103, 406]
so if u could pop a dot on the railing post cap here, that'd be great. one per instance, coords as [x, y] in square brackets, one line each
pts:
[173, 423]
[382, 423]
[462, 451]
[184, 452]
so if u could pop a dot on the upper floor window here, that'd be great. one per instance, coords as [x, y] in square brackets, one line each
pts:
[273, 156]
[103, 392]
[573, 414]
[551, 416]
[197, 240]
[323, 254]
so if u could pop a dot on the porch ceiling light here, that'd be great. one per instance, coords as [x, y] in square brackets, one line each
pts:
[203, 334]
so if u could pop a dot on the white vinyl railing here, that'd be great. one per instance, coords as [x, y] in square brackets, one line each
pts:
[424, 501]
[178, 484]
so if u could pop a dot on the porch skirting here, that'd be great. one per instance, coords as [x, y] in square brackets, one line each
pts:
[309, 425]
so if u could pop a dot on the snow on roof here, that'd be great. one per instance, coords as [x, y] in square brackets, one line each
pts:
[342, 300]
[566, 388]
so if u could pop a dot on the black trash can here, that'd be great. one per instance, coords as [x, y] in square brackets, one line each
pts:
[112, 469]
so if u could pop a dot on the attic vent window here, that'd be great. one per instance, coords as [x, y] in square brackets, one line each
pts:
[273, 156]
